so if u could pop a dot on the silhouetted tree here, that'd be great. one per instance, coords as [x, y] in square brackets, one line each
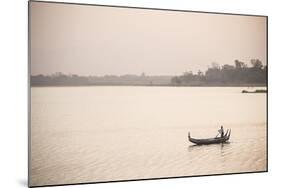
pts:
[239, 64]
[256, 63]
[227, 74]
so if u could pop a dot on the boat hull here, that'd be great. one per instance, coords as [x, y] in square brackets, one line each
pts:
[217, 140]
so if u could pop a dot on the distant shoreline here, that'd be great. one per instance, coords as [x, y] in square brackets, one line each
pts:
[130, 85]
[226, 75]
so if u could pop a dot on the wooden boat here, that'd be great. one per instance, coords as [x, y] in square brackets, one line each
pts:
[256, 91]
[216, 140]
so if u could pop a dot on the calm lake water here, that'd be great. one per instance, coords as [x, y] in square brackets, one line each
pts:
[93, 134]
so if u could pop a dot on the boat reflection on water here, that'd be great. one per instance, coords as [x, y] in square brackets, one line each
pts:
[195, 146]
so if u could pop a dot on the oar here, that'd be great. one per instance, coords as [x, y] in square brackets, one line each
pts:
[217, 135]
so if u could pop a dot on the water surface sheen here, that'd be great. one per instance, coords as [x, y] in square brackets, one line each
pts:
[107, 133]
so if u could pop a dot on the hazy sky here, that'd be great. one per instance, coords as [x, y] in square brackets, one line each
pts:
[93, 40]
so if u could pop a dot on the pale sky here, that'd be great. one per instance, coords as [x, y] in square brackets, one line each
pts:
[95, 40]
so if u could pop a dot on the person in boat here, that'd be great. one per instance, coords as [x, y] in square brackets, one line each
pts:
[221, 131]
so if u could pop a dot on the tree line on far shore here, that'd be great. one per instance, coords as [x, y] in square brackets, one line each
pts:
[61, 79]
[238, 74]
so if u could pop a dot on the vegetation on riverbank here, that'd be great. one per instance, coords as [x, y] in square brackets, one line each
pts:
[226, 75]
[239, 74]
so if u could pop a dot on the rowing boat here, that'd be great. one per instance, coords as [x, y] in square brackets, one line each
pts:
[216, 140]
